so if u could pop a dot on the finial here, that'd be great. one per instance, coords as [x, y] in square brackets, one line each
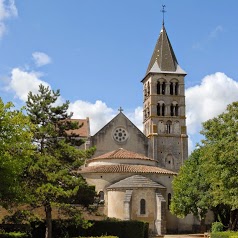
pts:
[163, 11]
[120, 109]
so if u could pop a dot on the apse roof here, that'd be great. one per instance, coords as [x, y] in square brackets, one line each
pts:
[121, 154]
[135, 181]
[126, 168]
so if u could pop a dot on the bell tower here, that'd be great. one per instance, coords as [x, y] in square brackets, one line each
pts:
[164, 117]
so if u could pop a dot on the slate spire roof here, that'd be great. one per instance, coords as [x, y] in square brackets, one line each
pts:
[163, 58]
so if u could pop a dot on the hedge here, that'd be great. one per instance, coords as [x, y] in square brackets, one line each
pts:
[14, 235]
[66, 228]
[225, 234]
[120, 229]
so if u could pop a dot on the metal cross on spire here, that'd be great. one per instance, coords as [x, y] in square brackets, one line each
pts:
[163, 11]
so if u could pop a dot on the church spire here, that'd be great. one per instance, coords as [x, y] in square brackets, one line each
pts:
[163, 58]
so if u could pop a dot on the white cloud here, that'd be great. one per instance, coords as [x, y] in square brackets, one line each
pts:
[22, 82]
[99, 113]
[214, 33]
[136, 117]
[209, 99]
[7, 10]
[41, 59]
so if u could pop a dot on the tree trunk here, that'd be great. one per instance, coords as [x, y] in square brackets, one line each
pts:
[233, 219]
[48, 216]
[202, 225]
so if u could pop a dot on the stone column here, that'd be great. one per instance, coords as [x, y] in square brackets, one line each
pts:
[127, 201]
[160, 222]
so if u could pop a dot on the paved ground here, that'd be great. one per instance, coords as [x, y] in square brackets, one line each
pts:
[185, 236]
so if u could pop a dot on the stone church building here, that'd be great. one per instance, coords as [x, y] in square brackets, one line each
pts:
[132, 170]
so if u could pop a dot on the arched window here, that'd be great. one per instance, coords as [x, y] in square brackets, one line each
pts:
[101, 197]
[158, 88]
[176, 110]
[158, 109]
[176, 88]
[169, 200]
[171, 110]
[163, 88]
[148, 89]
[171, 88]
[142, 206]
[163, 109]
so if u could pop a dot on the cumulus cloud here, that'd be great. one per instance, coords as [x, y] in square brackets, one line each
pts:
[209, 99]
[98, 112]
[22, 82]
[136, 117]
[7, 10]
[41, 59]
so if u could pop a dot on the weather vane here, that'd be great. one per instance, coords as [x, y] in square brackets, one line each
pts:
[163, 11]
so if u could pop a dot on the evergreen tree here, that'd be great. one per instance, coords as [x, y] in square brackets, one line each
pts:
[51, 175]
[15, 151]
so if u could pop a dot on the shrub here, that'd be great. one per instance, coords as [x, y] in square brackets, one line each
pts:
[225, 234]
[14, 235]
[217, 227]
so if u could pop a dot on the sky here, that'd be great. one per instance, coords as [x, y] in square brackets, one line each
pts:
[97, 53]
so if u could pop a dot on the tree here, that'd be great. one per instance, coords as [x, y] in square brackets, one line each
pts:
[191, 192]
[15, 151]
[50, 176]
[221, 159]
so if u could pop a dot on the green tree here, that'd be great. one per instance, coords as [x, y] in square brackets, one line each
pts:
[221, 159]
[15, 151]
[191, 192]
[51, 174]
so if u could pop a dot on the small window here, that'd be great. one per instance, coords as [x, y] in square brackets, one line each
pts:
[169, 200]
[163, 88]
[142, 206]
[101, 197]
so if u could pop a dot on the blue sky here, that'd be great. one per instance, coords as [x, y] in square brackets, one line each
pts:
[97, 52]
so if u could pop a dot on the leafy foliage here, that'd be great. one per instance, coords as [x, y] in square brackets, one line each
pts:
[15, 151]
[209, 179]
[191, 191]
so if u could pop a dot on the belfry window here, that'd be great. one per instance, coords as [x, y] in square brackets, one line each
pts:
[158, 88]
[148, 89]
[142, 206]
[163, 88]
[176, 110]
[176, 88]
[160, 109]
[171, 88]
[172, 110]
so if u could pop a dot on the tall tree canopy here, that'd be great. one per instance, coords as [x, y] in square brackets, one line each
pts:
[210, 177]
[191, 189]
[51, 174]
[15, 151]
[221, 159]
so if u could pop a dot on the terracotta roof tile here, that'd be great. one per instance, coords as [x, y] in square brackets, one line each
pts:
[83, 130]
[121, 154]
[125, 168]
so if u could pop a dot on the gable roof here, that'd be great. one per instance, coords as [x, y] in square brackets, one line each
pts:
[126, 168]
[135, 181]
[121, 154]
[163, 58]
[120, 114]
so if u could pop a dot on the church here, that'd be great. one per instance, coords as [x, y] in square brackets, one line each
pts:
[131, 170]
